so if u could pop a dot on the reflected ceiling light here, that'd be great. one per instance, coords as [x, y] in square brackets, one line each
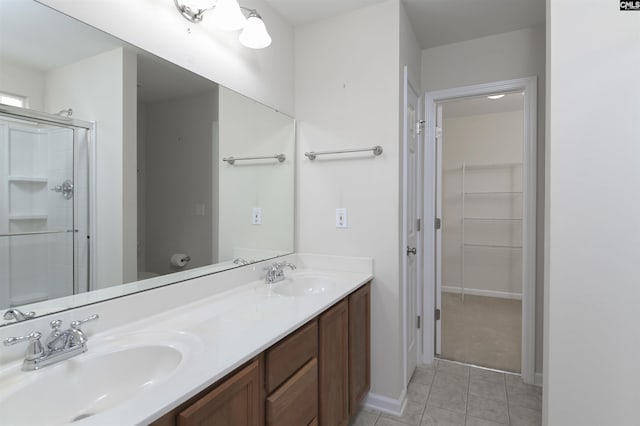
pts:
[500, 96]
[228, 15]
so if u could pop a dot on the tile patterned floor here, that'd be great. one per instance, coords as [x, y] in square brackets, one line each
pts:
[449, 394]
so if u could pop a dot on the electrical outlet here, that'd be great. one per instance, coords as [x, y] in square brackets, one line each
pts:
[256, 216]
[341, 217]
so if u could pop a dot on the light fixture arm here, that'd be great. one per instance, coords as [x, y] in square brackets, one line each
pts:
[228, 15]
[196, 17]
[250, 12]
[188, 14]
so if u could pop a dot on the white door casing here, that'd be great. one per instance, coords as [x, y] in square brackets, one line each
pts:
[438, 231]
[528, 86]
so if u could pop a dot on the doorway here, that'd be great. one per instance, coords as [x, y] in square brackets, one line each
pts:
[480, 200]
[479, 261]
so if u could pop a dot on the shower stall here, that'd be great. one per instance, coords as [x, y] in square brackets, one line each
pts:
[44, 206]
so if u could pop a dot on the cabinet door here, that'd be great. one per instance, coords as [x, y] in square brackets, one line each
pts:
[295, 403]
[235, 402]
[359, 346]
[334, 364]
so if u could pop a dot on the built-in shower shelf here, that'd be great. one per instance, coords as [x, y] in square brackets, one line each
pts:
[493, 219]
[28, 217]
[498, 246]
[34, 179]
[492, 193]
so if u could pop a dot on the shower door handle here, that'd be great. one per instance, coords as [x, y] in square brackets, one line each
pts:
[66, 189]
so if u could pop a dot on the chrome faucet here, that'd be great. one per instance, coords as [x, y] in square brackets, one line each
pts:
[58, 346]
[240, 261]
[275, 271]
[16, 315]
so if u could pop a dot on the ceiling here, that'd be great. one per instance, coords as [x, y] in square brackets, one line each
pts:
[435, 22]
[67, 40]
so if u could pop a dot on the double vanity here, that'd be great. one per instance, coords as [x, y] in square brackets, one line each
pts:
[291, 348]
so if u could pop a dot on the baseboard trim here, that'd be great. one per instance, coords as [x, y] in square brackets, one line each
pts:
[385, 404]
[537, 379]
[481, 292]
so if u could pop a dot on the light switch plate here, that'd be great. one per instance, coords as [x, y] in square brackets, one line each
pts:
[256, 216]
[341, 217]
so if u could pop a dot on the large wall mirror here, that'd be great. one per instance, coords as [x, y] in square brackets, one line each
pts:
[121, 172]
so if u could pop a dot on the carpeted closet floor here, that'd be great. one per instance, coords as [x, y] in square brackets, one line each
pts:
[484, 331]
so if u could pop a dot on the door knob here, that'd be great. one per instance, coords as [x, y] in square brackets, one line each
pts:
[411, 250]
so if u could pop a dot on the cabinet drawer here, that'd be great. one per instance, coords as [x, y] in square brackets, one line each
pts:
[236, 402]
[287, 356]
[295, 403]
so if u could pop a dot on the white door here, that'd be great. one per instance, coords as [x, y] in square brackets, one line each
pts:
[411, 205]
[438, 232]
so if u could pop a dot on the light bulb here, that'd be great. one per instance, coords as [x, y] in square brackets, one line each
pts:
[227, 16]
[255, 33]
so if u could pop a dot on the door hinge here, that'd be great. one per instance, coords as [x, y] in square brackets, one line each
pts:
[438, 223]
[437, 314]
[438, 132]
[418, 322]
[420, 126]
[418, 224]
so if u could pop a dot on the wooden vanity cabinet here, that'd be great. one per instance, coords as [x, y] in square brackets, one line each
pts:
[318, 375]
[359, 346]
[333, 379]
[291, 379]
[235, 401]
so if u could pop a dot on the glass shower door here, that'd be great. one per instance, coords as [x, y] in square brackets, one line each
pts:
[38, 257]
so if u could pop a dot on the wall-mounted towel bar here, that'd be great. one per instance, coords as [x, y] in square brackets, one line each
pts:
[232, 160]
[377, 150]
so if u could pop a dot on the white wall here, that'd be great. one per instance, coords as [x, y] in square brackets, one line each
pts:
[18, 79]
[480, 140]
[178, 168]
[156, 26]
[249, 129]
[504, 56]
[593, 297]
[347, 92]
[75, 86]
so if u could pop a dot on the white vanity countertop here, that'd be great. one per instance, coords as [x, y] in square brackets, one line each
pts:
[216, 335]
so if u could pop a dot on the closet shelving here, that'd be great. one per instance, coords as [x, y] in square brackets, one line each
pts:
[486, 194]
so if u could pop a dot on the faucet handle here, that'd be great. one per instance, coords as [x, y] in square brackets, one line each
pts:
[285, 263]
[34, 350]
[32, 337]
[17, 315]
[55, 325]
[76, 324]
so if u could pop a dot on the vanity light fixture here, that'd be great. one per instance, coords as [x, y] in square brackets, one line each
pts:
[228, 15]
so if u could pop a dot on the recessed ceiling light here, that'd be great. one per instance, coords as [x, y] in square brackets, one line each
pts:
[496, 96]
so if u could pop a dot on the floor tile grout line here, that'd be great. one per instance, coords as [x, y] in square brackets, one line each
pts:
[466, 404]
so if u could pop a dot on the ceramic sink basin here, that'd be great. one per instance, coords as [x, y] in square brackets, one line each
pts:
[88, 384]
[304, 284]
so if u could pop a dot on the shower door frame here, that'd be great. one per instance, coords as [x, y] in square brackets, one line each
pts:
[74, 124]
